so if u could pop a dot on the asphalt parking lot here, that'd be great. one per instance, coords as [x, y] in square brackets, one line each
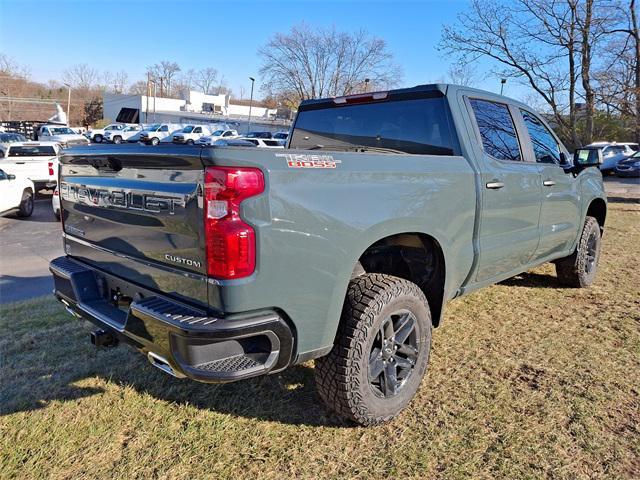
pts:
[28, 245]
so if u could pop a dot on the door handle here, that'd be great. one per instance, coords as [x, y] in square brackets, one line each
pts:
[548, 183]
[20, 163]
[495, 185]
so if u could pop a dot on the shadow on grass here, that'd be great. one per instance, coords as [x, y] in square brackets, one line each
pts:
[532, 280]
[288, 397]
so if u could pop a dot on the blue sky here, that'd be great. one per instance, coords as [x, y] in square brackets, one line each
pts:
[49, 36]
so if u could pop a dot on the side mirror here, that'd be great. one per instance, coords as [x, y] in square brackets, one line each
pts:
[587, 157]
[11, 176]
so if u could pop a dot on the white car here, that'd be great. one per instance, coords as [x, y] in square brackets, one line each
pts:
[262, 142]
[127, 134]
[225, 134]
[55, 203]
[159, 132]
[612, 153]
[98, 134]
[37, 161]
[189, 134]
[16, 194]
[62, 135]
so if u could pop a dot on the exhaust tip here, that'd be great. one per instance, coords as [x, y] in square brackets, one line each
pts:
[162, 363]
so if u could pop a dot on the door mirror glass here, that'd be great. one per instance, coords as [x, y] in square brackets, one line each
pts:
[587, 157]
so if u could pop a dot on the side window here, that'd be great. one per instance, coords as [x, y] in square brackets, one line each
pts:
[3, 176]
[497, 130]
[164, 128]
[227, 134]
[197, 130]
[545, 146]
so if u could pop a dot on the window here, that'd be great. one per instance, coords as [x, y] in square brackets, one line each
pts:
[497, 130]
[545, 146]
[164, 128]
[3, 176]
[416, 126]
[611, 151]
[227, 134]
[197, 130]
[32, 151]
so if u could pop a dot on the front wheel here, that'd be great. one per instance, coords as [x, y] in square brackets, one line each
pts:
[579, 269]
[155, 141]
[381, 350]
[97, 138]
[190, 142]
[26, 205]
[117, 139]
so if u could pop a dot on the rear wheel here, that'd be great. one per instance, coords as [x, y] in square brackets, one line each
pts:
[381, 350]
[579, 270]
[155, 141]
[190, 142]
[26, 205]
[117, 139]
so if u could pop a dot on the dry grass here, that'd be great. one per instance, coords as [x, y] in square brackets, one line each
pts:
[527, 380]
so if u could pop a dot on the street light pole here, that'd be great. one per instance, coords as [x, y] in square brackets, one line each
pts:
[68, 104]
[250, 103]
[502, 82]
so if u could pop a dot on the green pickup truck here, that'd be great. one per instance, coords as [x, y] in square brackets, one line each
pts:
[223, 263]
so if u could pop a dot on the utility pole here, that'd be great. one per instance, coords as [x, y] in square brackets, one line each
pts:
[154, 98]
[146, 111]
[250, 103]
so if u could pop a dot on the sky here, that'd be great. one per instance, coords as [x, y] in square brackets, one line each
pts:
[50, 36]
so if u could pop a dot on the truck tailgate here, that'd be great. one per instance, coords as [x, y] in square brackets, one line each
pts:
[136, 212]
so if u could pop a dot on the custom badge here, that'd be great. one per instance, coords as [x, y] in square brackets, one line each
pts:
[302, 160]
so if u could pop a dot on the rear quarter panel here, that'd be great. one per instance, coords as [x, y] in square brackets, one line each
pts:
[313, 224]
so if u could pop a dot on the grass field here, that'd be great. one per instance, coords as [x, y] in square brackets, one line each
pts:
[527, 380]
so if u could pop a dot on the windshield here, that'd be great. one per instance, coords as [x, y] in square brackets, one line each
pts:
[11, 138]
[417, 126]
[61, 131]
[188, 129]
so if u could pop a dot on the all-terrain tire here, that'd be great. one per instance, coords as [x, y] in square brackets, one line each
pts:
[579, 269]
[26, 205]
[343, 376]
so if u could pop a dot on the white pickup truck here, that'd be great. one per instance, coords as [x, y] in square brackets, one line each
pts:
[37, 161]
[217, 135]
[61, 134]
[159, 132]
[127, 134]
[99, 134]
[16, 194]
[189, 134]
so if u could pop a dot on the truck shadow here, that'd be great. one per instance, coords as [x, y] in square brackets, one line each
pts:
[288, 397]
[532, 280]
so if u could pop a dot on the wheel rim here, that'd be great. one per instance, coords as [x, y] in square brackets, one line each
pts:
[29, 205]
[394, 353]
[592, 252]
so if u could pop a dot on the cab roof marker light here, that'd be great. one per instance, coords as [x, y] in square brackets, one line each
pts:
[360, 98]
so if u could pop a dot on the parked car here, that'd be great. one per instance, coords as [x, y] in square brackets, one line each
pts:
[262, 142]
[629, 167]
[258, 135]
[37, 161]
[62, 135]
[12, 137]
[16, 194]
[98, 134]
[129, 133]
[612, 153]
[189, 134]
[234, 142]
[281, 135]
[55, 202]
[159, 132]
[217, 135]
[344, 248]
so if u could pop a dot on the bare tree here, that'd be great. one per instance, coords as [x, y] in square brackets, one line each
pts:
[462, 73]
[163, 73]
[10, 68]
[116, 82]
[242, 91]
[206, 79]
[311, 63]
[139, 88]
[81, 76]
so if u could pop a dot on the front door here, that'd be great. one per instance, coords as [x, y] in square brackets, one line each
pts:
[560, 213]
[511, 193]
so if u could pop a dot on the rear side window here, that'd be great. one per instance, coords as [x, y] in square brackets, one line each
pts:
[32, 151]
[498, 132]
[545, 147]
[417, 126]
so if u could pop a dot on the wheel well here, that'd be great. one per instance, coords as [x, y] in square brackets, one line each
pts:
[598, 210]
[416, 257]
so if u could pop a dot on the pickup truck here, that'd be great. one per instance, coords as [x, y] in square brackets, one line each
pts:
[61, 134]
[37, 161]
[224, 263]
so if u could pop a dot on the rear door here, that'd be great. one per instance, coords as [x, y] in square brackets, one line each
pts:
[510, 190]
[560, 211]
[137, 213]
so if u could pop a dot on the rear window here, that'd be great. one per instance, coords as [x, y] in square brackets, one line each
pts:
[416, 126]
[32, 151]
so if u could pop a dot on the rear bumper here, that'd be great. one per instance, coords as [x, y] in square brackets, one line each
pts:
[180, 339]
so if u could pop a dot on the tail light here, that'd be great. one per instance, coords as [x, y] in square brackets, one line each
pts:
[230, 242]
[51, 172]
